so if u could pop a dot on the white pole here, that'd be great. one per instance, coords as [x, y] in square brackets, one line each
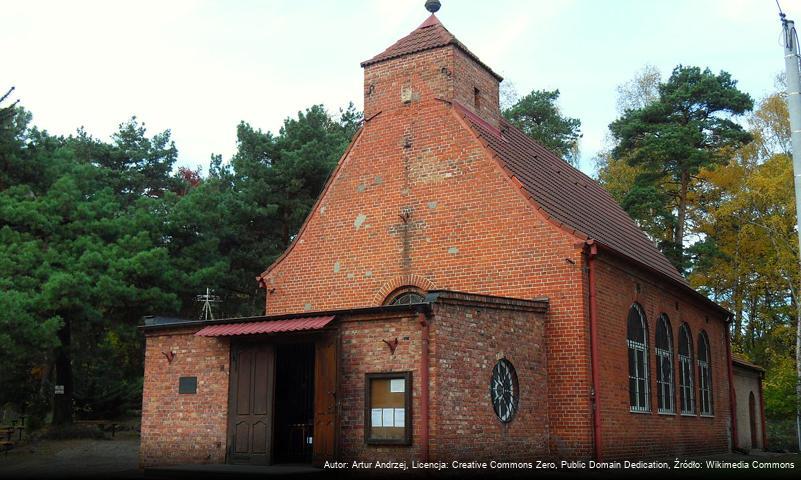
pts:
[791, 64]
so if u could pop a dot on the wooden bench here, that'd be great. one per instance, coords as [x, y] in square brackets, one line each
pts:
[8, 432]
[101, 424]
[6, 445]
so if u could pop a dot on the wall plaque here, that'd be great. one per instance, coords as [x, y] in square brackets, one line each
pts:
[187, 385]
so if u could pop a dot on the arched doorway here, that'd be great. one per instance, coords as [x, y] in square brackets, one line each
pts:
[752, 420]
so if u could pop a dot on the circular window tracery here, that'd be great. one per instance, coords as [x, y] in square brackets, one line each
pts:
[504, 390]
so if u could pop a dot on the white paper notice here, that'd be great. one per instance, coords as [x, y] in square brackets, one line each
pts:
[397, 385]
[400, 417]
[376, 418]
[388, 417]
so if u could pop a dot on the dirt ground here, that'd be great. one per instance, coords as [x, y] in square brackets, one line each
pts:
[117, 457]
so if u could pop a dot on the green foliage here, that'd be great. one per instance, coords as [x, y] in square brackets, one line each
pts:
[689, 127]
[538, 116]
[95, 234]
[779, 389]
[747, 258]
[224, 232]
[82, 245]
[740, 209]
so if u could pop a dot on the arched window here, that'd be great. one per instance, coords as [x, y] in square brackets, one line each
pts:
[686, 389]
[704, 374]
[638, 360]
[664, 365]
[406, 296]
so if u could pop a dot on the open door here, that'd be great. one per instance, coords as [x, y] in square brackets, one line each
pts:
[325, 399]
[250, 406]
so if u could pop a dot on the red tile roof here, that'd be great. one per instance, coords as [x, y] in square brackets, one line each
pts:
[568, 196]
[272, 326]
[429, 35]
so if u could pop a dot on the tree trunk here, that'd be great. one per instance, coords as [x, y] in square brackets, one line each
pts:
[738, 311]
[678, 238]
[62, 403]
[285, 229]
[751, 317]
[738, 295]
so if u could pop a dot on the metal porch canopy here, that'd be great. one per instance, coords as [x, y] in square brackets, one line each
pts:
[270, 326]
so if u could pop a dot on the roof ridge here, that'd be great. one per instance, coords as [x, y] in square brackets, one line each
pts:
[429, 22]
[477, 119]
[572, 198]
[429, 35]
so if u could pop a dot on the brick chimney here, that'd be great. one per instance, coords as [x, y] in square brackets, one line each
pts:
[430, 63]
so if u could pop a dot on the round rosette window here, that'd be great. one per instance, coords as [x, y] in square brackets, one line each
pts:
[504, 390]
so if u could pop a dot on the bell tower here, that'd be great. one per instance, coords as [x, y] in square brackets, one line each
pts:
[430, 64]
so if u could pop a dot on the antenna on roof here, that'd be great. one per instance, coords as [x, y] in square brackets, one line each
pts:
[207, 299]
[433, 6]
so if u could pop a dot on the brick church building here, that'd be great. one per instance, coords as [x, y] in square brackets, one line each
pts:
[458, 292]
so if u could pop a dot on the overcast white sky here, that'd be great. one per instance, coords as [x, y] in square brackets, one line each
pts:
[199, 67]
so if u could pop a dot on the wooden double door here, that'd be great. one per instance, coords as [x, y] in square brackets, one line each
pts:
[251, 401]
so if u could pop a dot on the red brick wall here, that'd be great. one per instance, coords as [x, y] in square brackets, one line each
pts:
[627, 434]
[362, 351]
[418, 197]
[425, 75]
[445, 212]
[469, 75]
[182, 428]
[446, 73]
[419, 200]
[466, 342]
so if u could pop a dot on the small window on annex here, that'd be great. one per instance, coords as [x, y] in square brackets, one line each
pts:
[638, 360]
[704, 374]
[686, 387]
[388, 401]
[664, 365]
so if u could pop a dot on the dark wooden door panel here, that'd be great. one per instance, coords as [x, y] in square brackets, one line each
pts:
[250, 428]
[262, 374]
[325, 399]
[242, 438]
[244, 365]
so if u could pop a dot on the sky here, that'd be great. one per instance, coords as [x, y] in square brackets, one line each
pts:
[199, 67]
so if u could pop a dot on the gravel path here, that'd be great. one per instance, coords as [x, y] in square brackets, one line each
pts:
[74, 458]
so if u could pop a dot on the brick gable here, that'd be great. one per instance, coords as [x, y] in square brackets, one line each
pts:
[445, 212]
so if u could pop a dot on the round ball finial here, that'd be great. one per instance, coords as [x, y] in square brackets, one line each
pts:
[433, 6]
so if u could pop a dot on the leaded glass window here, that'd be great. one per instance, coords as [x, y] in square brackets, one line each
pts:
[686, 387]
[704, 375]
[638, 360]
[664, 365]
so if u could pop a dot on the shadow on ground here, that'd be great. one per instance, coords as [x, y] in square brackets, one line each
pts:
[118, 458]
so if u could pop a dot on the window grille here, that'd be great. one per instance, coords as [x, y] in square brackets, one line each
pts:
[638, 360]
[704, 375]
[664, 366]
[686, 386]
